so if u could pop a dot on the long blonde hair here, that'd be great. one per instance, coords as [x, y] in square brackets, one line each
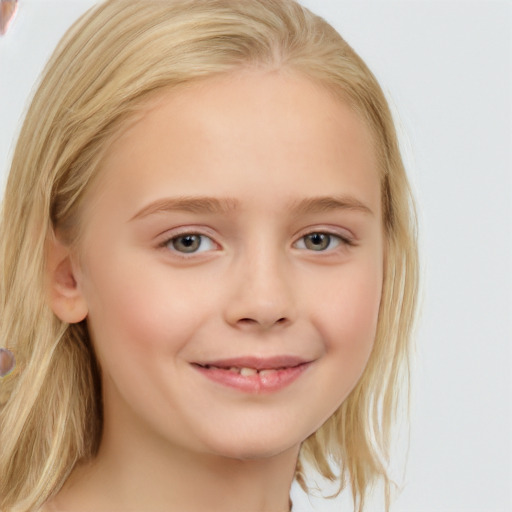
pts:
[109, 63]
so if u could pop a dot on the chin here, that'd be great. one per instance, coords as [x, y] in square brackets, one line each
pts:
[256, 447]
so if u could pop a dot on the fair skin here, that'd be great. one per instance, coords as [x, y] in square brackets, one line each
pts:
[238, 222]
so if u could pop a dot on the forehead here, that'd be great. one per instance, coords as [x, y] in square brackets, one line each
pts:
[236, 130]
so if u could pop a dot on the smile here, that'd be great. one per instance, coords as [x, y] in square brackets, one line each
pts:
[246, 372]
[252, 375]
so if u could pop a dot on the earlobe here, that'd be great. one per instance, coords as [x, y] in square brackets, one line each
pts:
[63, 291]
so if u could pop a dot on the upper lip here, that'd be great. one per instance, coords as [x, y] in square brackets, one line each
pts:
[258, 363]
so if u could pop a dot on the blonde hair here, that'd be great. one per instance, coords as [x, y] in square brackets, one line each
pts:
[105, 69]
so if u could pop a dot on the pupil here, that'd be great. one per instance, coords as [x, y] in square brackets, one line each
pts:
[317, 241]
[187, 243]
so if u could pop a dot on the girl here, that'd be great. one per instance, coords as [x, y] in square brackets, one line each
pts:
[209, 265]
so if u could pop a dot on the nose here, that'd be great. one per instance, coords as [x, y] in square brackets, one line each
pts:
[261, 295]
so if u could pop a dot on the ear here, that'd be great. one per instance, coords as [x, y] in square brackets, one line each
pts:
[64, 293]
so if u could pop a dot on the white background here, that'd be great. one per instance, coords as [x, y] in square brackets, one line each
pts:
[446, 68]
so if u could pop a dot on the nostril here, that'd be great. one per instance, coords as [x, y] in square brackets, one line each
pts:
[252, 321]
[247, 321]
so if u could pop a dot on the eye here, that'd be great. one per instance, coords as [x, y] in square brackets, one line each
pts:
[190, 243]
[318, 241]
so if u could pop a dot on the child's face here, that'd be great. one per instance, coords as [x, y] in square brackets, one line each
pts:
[237, 224]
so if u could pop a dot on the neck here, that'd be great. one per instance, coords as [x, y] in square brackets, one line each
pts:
[183, 484]
[152, 476]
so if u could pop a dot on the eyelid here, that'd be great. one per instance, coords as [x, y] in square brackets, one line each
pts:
[301, 243]
[346, 237]
[168, 236]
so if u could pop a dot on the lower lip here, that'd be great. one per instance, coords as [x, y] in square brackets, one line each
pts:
[268, 383]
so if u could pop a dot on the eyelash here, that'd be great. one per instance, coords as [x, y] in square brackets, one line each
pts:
[184, 254]
[341, 241]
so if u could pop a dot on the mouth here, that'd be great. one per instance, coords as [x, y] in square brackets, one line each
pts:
[254, 375]
[245, 371]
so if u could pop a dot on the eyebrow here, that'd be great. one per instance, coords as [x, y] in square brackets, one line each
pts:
[328, 203]
[191, 204]
[213, 205]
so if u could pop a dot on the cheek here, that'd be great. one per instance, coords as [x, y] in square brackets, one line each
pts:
[130, 313]
[349, 313]
[136, 311]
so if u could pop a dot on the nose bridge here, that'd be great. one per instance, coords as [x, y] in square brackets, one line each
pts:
[262, 292]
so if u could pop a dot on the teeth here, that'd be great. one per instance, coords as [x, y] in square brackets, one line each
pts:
[247, 372]
[267, 372]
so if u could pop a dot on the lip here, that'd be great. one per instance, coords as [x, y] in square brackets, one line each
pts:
[276, 372]
[258, 363]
